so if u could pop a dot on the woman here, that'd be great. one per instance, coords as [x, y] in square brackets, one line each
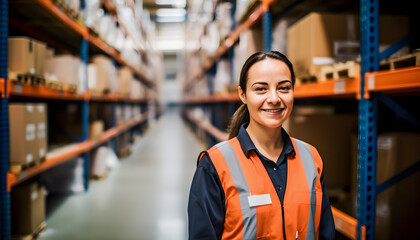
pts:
[261, 184]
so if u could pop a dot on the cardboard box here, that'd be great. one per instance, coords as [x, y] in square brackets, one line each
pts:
[40, 57]
[23, 139]
[65, 68]
[28, 208]
[40, 117]
[21, 55]
[96, 129]
[314, 37]
[125, 76]
[105, 74]
[398, 206]
[330, 135]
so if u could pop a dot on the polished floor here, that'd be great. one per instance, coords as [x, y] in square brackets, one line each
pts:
[145, 198]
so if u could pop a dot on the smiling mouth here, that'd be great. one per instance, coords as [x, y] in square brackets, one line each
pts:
[272, 110]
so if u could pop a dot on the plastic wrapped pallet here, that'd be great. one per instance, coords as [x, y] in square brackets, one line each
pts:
[65, 178]
[66, 69]
[92, 78]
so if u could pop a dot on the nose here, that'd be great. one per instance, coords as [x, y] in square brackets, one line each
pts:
[273, 97]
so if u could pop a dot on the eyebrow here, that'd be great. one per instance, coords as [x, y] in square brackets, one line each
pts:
[264, 83]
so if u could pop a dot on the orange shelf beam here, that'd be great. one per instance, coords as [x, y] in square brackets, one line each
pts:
[344, 87]
[50, 6]
[76, 150]
[232, 97]
[403, 79]
[208, 127]
[42, 92]
[346, 224]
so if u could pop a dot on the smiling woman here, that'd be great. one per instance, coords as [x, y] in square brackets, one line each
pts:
[239, 188]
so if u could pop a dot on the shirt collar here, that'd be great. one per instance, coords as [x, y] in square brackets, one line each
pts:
[247, 145]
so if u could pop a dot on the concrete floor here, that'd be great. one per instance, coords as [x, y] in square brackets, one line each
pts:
[145, 198]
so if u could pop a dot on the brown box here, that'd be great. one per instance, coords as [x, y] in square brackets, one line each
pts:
[21, 55]
[124, 81]
[40, 57]
[315, 34]
[23, 140]
[40, 117]
[28, 208]
[330, 135]
[96, 129]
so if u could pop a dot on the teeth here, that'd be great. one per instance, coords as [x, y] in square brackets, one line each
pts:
[272, 111]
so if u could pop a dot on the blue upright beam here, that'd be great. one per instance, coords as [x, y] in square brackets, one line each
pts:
[4, 127]
[84, 50]
[366, 176]
[267, 35]
[395, 47]
[398, 109]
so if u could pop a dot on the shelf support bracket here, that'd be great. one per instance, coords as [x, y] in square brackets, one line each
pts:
[397, 178]
[395, 47]
[398, 109]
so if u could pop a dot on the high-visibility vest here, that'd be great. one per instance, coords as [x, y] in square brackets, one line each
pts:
[252, 207]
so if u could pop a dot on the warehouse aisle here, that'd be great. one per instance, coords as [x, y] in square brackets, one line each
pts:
[145, 198]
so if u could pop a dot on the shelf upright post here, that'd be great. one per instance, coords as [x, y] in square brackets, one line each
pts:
[231, 105]
[366, 176]
[84, 54]
[267, 32]
[4, 126]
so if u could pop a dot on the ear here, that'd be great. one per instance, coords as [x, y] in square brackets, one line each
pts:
[242, 94]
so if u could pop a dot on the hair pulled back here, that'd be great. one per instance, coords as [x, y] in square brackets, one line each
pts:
[242, 115]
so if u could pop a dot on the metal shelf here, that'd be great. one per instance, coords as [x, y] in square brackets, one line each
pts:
[349, 87]
[72, 151]
[393, 81]
[232, 97]
[208, 127]
[53, 27]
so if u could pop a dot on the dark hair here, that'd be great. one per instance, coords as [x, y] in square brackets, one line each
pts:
[242, 115]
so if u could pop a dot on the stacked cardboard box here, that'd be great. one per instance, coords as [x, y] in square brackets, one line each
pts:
[330, 134]
[26, 56]
[28, 133]
[67, 69]
[106, 75]
[125, 76]
[316, 39]
[397, 207]
[28, 208]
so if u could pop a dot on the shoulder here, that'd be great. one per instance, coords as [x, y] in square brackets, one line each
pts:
[315, 154]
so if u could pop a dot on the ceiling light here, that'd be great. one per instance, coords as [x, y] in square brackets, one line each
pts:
[171, 12]
[175, 3]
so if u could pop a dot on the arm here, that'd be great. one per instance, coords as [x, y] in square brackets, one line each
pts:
[326, 226]
[206, 213]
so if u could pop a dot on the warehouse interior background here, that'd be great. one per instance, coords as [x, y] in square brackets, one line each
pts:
[106, 104]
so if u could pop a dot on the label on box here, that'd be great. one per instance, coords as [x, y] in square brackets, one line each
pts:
[384, 143]
[30, 108]
[29, 158]
[371, 82]
[18, 89]
[42, 152]
[339, 86]
[41, 130]
[34, 195]
[30, 132]
[40, 108]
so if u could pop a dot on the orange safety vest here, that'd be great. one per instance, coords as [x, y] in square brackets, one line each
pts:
[253, 209]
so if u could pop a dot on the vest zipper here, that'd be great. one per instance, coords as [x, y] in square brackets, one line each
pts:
[284, 228]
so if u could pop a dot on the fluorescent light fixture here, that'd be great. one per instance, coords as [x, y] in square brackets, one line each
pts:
[171, 12]
[170, 45]
[170, 19]
[175, 3]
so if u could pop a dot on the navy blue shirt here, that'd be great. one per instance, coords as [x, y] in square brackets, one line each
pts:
[206, 205]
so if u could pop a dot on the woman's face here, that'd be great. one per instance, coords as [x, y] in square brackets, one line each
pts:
[269, 93]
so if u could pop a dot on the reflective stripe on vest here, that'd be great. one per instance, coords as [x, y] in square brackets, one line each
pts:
[234, 168]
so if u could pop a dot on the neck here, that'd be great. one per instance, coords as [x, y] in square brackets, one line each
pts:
[266, 140]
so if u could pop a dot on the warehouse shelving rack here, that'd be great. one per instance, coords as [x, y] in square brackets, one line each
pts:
[367, 88]
[72, 36]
